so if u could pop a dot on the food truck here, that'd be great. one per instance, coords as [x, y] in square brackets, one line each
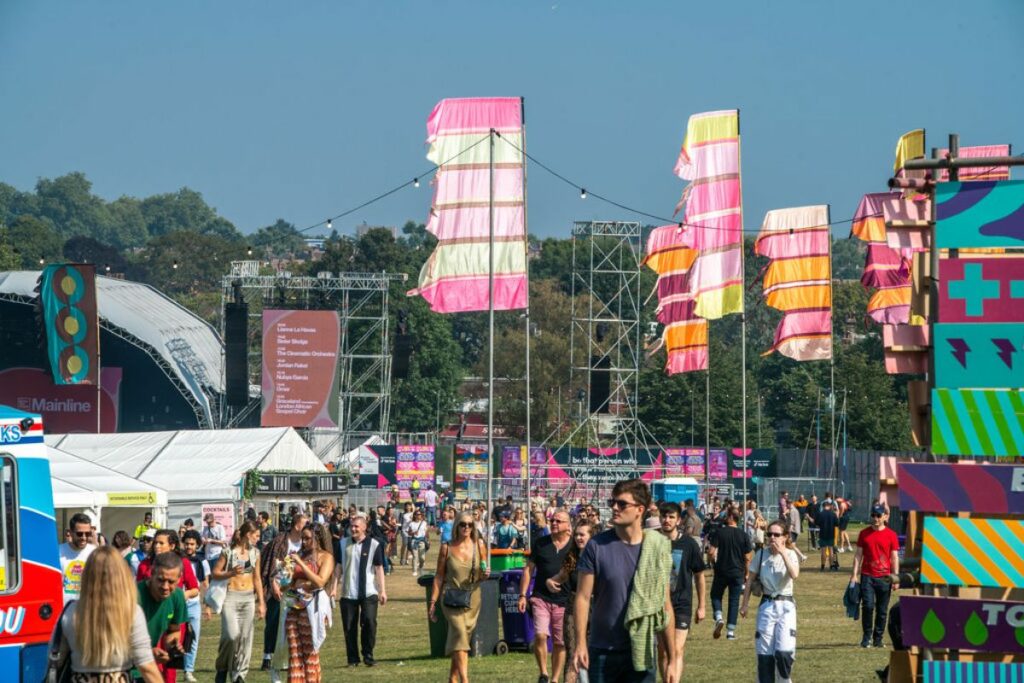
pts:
[31, 594]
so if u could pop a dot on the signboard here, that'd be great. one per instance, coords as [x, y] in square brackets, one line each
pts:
[946, 487]
[979, 355]
[300, 368]
[979, 214]
[131, 499]
[971, 672]
[70, 319]
[513, 462]
[66, 408]
[951, 623]
[298, 483]
[683, 462]
[718, 463]
[977, 422]
[224, 514]
[471, 464]
[976, 289]
[973, 552]
[413, 462]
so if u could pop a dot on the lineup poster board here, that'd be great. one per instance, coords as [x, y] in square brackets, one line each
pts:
[413, 462]
[718, 464]
[471, 463]
[300, 368]
[684, 462]
[513, 462]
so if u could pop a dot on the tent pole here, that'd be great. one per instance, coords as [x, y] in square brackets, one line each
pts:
[490, 351]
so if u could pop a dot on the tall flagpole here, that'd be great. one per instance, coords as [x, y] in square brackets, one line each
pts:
[743, 315]
[707, 426]
[526, 247]
[490, 348]
[832, 363]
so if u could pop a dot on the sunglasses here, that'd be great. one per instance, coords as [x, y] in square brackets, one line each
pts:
[620, 504]
[465, 525]
[774, 534]
[83, 534]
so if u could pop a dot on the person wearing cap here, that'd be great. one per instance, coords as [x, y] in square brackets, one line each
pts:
[142, 552]
[877, 556]
[214, 538]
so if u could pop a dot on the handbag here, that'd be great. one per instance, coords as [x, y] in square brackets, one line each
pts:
[58, 669]
[460, 598]
[218, 589]
[178, 661]
[756, 587]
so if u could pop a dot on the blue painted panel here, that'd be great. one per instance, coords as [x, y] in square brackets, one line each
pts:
[979, 355]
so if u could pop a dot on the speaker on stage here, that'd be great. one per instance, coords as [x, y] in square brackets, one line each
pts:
[236, 354]
[400, 356]
[600, 383]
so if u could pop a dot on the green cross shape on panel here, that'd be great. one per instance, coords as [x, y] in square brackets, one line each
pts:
[974, 289]
[1017, 289]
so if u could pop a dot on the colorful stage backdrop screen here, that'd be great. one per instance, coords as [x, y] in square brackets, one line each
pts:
[300, 368]
[382, 467]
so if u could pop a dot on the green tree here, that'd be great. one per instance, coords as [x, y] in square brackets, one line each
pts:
[9, 259]
[33, 239]
[184, 262]
[278, 239]
[185, 210]
[83, 249]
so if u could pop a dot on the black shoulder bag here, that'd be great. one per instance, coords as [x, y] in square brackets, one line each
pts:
[461, 598]
[58, 670]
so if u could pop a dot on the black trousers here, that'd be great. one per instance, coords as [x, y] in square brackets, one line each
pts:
[735, 585]
[356, 616]
[874, 605]
[271, 623]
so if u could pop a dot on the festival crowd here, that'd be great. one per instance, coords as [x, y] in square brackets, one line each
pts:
[616, 595]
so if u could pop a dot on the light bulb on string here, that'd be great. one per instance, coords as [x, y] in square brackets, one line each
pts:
[175, 264]
[415, 182]
[248, 251]
[583, 193]
[42, 260]
[329, 223]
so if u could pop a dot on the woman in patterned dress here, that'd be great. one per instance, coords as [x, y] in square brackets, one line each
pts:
[313, 567]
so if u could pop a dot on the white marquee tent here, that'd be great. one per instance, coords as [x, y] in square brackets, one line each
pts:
[194, 466]
[114, 500]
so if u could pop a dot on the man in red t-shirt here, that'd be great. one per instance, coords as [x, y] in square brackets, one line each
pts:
[877, 557]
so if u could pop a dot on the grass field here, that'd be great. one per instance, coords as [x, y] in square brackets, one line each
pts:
[827, 642]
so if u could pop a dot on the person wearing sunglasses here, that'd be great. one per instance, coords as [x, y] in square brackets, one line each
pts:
[776, 570]
[74, 554]
[877, 556]
[461, 566]
[623, 576]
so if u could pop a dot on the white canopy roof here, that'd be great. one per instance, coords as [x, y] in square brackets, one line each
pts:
[194, 465]
[186, 342]
[78, 483]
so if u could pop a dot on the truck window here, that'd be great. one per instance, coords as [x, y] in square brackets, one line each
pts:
[9, 560]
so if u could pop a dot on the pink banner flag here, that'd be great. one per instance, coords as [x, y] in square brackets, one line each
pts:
[456, 277]
[798, 280]
[685, 336]
[713, 218]
[886, 270]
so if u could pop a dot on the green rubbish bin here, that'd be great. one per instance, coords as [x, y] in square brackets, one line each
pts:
[502, 560]
[438, 630]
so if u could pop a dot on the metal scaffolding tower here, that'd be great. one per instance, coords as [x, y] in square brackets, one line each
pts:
[606, 338]
[364, 355]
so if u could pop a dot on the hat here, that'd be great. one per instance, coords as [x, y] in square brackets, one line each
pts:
[149, 533]
[878, 510]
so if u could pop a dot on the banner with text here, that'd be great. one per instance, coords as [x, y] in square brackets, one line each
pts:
[300, 368]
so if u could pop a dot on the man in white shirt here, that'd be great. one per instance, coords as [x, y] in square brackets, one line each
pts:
[214, 538]
[74, 553]
[361, 590]
[430, 499]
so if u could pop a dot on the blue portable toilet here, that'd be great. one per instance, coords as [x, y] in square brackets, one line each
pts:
[675, 489]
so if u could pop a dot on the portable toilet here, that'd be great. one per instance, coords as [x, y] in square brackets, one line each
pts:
[675, 489]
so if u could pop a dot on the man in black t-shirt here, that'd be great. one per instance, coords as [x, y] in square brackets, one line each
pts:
[812, 510]
[548, 608]
[687, 568]
[730, 552]
[828, 524]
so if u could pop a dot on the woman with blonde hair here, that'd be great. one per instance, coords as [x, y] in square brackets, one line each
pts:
[461, 566]
[104, 630]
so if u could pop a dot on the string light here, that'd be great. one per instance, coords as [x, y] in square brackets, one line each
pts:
[107, 267]
[328, 223]
[42, 260]
[415, 182]
[583, 193]
[249, 251]
[175, 264]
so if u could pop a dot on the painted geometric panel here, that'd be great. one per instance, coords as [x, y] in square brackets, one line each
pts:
[965, 487]
[979, 214]
[981, 289]
[973, 552]
[980, 625]
[977, 422]
[979, 355]
[972, 672]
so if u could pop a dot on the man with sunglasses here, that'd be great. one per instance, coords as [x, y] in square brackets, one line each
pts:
[74, 553]
[606, 569]
[548, 607]
[877, 556]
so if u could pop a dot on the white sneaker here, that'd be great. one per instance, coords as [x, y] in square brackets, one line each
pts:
[189, 677]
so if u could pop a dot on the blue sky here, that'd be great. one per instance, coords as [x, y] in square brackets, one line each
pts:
[302, 110]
